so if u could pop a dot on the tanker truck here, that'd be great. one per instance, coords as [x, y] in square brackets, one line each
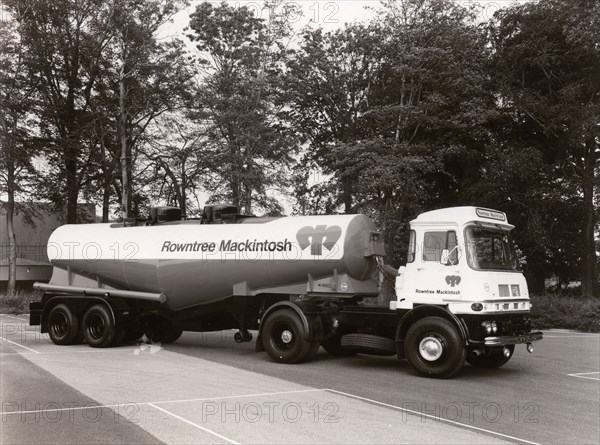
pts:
[299, 283]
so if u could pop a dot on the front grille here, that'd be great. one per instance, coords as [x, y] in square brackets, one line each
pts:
[508, 324]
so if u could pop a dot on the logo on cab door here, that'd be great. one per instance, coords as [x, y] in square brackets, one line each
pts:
[453, 280]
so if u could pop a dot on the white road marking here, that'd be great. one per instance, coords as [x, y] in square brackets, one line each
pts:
[206, 430]
[584, 375]
[18, 344]
[441, 419]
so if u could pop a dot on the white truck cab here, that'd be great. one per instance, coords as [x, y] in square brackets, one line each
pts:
[462, 257]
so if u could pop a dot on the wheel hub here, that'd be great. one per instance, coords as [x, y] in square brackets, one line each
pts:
[431, 348]
[286, 336]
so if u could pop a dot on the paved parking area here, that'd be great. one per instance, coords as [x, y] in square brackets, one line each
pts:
[140, 393]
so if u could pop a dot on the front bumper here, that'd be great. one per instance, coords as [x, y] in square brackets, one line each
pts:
[513, 339]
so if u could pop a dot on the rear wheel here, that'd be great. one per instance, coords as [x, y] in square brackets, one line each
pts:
[63, 325]
[492, 359]
[160, 330]
[434, 347]
[99, 327]
[284, 338]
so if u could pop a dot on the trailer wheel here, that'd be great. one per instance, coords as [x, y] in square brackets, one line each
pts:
[63, 325]
[434, 347]
[134, 333]
[333, 345]
[99, 327]
[284, 339]
[493, 359]
[160, 330]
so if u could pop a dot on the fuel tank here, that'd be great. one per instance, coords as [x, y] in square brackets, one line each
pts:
[192, 263]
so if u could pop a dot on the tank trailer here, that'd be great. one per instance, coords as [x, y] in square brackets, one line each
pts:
[302, 282]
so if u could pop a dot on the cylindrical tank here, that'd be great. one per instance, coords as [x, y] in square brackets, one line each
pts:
[194, 263]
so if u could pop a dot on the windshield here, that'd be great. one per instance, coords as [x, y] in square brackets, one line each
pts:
[490, 249]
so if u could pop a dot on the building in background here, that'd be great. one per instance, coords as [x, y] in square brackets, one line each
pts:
[33, 222]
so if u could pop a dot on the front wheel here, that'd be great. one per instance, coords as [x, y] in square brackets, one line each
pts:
[284, 338]
[492, 359]
[434, 347]
[63, 326]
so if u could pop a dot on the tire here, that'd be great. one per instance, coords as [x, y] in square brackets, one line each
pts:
[99, 327]
[133, 333]
[369, 344]
[493, 359]
[160, 330]
[284, 339]
[121, 335]
[434, 347]
[333, 345]
[63, 325]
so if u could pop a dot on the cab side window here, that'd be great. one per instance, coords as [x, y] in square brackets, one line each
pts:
[412, 247]
[435, 242]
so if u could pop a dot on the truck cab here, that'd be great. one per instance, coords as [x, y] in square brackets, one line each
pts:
[463, 259]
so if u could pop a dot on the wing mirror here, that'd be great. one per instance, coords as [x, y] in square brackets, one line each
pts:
[446, 258]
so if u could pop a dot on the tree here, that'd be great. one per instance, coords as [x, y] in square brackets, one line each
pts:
[240, 102]
[398, 108]
[148, 77]
[547, 59]
[329, 77]
[175, 149]
[17, 99]
[64, 41]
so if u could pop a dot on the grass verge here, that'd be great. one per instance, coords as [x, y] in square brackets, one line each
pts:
[18, 303]
[565, 312]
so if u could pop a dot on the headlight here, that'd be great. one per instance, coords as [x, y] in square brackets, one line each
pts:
[488, 327]
[494, 327]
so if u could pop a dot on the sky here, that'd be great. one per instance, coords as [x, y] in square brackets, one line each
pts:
[332, 14]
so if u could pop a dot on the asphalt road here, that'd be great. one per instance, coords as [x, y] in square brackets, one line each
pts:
[205, 388]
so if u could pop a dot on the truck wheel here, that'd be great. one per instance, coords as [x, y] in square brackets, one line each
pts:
[160, 330]
[493, 359]
[120, 336]
[63, 325]
[134, 333]
[99, 327]
[434, 347]
[284, 339]
[334, 347]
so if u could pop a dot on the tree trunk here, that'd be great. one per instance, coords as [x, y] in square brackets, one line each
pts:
[125, 195]
[248, 200]
[72, 182]
[12, 241]
[588, 263]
